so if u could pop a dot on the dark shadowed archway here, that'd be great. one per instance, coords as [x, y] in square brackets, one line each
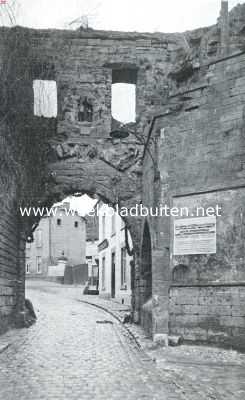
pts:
[146, 280]
[146, 263]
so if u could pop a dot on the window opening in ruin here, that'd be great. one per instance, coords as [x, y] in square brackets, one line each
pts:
[123, 102]
[45, 98]
[123, 94]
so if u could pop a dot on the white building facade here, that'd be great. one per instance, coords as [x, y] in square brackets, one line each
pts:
[57, 236]
[114, 261]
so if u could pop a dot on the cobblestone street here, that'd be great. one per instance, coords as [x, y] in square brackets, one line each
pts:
[76, 351]
[69, 354]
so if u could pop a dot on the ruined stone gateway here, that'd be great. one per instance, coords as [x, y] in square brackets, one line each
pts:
[189, 150]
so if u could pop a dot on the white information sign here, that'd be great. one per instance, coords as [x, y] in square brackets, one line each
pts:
[195, 236]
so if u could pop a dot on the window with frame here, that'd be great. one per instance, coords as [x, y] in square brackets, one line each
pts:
[76, 224]
[113, 223]
[59, 222]
[103, 226]
[38, 238]
[123, 267]
[103, 273]
[28, 266]
[39, 264]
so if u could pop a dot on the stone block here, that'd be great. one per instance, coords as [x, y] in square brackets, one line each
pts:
[161, 339]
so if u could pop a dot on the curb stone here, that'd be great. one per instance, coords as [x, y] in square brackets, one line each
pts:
[114, 314]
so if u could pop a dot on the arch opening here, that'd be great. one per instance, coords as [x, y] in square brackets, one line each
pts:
[76, 242]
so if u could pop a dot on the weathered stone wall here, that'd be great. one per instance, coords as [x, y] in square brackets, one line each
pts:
[22, 150]
[212, 313]
[10, 253]
[200, 159]
[9, 265]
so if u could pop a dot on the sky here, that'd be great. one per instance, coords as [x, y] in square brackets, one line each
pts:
[125, 15]
[83, 204]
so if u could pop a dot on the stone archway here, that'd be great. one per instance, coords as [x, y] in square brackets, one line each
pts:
[51, 157]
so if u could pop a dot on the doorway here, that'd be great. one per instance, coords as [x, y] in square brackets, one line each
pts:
[146, 257]
[113, 278]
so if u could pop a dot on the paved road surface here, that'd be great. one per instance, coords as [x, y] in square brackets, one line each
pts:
[69, 354]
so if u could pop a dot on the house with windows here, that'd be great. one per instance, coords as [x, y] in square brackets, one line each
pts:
[114, 261]
[61, 235]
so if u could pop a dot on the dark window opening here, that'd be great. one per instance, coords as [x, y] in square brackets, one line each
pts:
[59, 221]
[76, 224]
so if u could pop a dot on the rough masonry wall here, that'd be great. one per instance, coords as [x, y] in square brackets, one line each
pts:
[9, 237]
[212, 313]
[9, 265]
[201, 160]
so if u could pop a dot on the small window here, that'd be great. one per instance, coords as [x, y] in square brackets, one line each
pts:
[38, 238]
[59, 222]
[28, 266]
[45, 98]
[76, 224]
[123, 267]
[39, 264]
[103, 226]
[103, 273]
[113, 223]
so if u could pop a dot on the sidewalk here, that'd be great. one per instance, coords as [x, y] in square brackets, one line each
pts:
[201, 372]
[184, 354]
